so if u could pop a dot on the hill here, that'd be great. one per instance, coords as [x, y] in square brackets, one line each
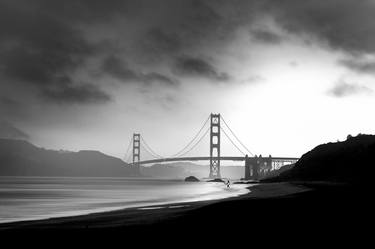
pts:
[350, 161]
[277, 172]
[21, 158]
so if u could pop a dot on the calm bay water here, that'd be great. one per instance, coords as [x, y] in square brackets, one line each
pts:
[29, 198]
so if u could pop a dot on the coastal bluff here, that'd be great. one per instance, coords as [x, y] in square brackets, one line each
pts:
[349, 161]
[21, 158]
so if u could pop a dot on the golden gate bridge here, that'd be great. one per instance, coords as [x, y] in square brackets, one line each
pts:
[255, 166]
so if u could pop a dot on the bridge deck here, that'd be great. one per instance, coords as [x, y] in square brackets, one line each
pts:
[206, 158]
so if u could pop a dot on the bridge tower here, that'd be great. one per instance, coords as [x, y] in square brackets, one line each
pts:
[247, 168]
[256, 167]
[136, 150]
[215, 146]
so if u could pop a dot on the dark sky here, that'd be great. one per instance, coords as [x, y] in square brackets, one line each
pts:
[78, 74]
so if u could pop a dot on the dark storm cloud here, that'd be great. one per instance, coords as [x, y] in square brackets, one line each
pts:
[157, 42]
[201, 18]
[265, 36]
[345, 24]
[45, 44]
[158, 78]
[180, 27]
[344, 89]
[359, 66]
[77, 11]
[82, 93]
[39, 50]
[197, 67]
[117, 68]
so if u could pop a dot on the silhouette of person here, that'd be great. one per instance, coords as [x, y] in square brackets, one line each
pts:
[228, 184]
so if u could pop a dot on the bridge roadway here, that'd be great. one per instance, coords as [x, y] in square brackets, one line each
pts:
[206, 158]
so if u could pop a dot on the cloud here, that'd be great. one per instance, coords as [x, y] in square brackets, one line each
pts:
[158, 78]
[254, 79]
[9, 131]
[265, 36]
[43, 42]
[43, 52]
[117, 68]
[80, 11]
[158, 42]
[173, 28]
[197, 67]
[345, 24]
[80, 94]
[359, 66]
[344, 89]
[48, 48]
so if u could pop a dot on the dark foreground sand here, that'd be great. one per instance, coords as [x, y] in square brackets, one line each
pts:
[271, 210]
[143, 216]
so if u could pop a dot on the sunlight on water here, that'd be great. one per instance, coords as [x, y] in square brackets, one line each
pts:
[29, 198]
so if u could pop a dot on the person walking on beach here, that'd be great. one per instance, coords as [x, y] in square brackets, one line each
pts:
[228, 184]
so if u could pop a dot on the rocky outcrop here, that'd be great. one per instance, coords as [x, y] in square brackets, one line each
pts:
[191, 179]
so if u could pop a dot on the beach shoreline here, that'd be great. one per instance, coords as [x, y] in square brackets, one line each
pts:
[150, 214]
[210, 191]
[299, 213]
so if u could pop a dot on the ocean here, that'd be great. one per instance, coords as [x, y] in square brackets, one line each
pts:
[33, 198]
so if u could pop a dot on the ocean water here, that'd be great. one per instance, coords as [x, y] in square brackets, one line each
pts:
[32, 198]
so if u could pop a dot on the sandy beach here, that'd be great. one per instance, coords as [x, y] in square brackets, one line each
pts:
[272, 213]
[154, 215]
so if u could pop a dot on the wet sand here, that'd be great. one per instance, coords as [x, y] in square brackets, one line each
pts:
[275, 211]
[144, 216]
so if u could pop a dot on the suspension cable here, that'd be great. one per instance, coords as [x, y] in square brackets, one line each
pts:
[150, 150]
[236, 137]
[181, 152]
[232, 142]
[196, 143]
[129, 157]
[127, 150]
[191, 141]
